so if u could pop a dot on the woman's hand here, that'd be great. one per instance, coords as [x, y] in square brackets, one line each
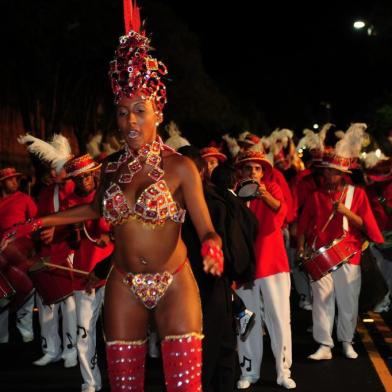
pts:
[212, 257]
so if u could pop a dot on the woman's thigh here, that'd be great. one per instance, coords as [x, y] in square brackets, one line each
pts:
[125, 317]
[179, 310]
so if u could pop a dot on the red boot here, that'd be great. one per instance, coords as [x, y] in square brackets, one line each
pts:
[126, 365]
[182, 362]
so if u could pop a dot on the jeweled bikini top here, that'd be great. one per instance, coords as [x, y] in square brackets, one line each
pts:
[155, 204]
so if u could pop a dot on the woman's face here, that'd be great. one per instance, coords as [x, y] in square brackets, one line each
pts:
[137, 121]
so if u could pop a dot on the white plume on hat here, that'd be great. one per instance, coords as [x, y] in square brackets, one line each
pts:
[232, 145]
[175, 140]
[93, 146]
[351, 144]
[372, 158]
[56, 152]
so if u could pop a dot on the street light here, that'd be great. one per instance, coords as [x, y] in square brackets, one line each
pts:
[359, 24]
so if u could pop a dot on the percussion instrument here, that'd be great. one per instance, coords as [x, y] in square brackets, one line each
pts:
[19, 253]
[6, 291]
[52, 283]
[329, 258]
[21, 284]
[248, 189]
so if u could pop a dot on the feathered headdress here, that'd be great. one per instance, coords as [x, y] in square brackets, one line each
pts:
[133, 71]
[175, 140]
[56, 152]
[232, 145]
[351, 144]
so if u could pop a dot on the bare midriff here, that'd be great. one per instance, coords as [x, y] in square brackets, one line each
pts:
[141, 248]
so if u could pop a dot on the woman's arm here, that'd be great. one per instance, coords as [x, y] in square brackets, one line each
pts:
[192, 190]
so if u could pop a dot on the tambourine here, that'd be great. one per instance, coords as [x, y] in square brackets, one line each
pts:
[248, 189]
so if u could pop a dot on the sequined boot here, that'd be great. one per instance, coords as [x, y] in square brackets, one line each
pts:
[126, 365]
[182, 362]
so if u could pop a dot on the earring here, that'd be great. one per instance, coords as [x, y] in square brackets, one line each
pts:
[157, 123]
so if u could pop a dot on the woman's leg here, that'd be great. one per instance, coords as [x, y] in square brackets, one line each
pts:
[125, 325]
[179, 321]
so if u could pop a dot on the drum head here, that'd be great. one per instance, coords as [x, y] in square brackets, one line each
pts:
[248, 189]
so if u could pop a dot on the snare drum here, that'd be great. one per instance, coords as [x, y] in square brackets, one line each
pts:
[248, 189]
[19, 253]
[329, 258]
[6, 291]
[53, 285]
[21, 284]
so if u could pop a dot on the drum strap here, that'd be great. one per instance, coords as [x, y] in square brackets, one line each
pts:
[56, 199]
[347, 203]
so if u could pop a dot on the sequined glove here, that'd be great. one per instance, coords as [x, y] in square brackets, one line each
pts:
[18, 231]
[210, 250]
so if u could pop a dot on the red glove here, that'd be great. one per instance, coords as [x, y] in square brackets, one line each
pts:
[212, 250]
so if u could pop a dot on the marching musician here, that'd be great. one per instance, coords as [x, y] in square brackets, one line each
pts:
[92, 245]
[270, 288]
[332, 211]
[55, 246]
[15, 207]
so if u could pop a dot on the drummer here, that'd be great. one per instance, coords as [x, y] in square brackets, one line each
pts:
[353, 217]
[92, 245]
[212, 157]
[15, 207]
[270, 288]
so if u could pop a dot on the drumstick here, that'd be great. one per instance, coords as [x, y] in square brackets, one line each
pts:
[65, 268]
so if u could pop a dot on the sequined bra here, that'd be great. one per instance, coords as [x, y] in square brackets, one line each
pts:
[155, 205]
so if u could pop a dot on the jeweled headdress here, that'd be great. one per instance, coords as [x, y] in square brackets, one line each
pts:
[134, 71]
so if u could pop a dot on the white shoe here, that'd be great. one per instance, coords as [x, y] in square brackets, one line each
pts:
[323, 353]
[244, 383]
[287, 382]
[70, 362]
[46, 360]
[245, 323]
[349, 351]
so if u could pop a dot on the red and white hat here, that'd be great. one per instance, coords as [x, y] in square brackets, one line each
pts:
[253, 156]
[8, 172]
[80, 165]
[213, 152]
[333, 161]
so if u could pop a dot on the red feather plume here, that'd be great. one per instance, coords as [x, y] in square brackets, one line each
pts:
[131, 16]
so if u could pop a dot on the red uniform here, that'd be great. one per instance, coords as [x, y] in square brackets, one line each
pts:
[48, 203]
[88, 254]
[318, 207]
[271, 257]
[383, 219]
[16, 208]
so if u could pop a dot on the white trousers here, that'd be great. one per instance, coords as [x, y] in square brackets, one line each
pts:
[49, 323]
[88, 307]
[24, 321]
[342, 286]
[384, 265]
[269, 299]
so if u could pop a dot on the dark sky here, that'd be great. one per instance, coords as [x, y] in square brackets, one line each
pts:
[292, 58]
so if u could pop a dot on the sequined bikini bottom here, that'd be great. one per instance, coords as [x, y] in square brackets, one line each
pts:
[149, 287]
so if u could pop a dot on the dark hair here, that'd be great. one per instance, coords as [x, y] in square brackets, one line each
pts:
[224, 177]
[193, 153]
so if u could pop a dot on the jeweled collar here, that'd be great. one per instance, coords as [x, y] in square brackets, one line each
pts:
[149, 154]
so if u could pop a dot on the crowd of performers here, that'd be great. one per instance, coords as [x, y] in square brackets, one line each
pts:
[192, 248]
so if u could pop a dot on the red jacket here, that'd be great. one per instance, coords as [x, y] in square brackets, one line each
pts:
[88, 254]
[318, 207]
[270, 252]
